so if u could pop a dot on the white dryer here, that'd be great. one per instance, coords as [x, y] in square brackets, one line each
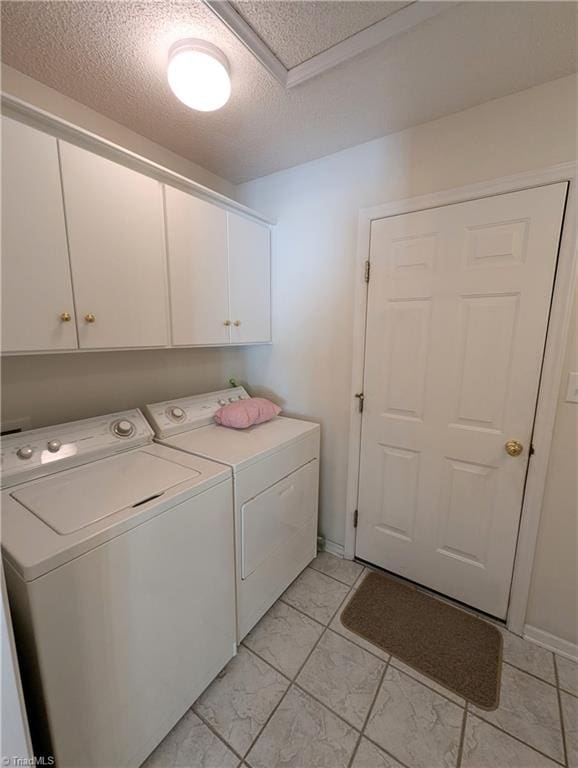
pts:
[275, 479]
[119, 564]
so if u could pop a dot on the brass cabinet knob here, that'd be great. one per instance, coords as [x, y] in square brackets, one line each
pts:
[227, 322]
[237, 323]
[66, 317]
[90, 318]
[514, 447]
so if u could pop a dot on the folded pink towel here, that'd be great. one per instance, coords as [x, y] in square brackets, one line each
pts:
[245, 413]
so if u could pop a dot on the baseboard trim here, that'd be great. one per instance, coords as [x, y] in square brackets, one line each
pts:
[324, 545]
[551, 642]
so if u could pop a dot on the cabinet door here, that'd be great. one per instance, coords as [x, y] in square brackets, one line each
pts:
[249, 280]
[37, 307]
[197, 253]
[115, 231]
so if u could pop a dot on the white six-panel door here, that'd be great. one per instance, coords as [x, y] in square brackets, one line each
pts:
[457, 314]
[37, 303]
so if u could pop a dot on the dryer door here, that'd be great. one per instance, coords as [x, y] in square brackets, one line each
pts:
[272, 518]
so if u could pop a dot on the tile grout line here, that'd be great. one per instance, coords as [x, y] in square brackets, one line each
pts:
[293, 679]
[517, 738]
[266, 723]
[345, 583]
[214, 732]
[333, 578]
[276, 707]
[530, 674]
[462, 737]
[375, 743]
[242, 756]
[557, 673]
[325, 706]
[385, 751]
[290, 605]
[369, 711]
[327, 626]
[428, 684]
[361, 647]
[561, 712]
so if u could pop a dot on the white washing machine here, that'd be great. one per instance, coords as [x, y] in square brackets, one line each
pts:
[119, 558]
[275, 479]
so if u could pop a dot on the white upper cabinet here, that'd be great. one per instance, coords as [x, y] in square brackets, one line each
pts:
[249, 280]
[115, 231]
[198, 281]
[37, 305]
[96, 255]
[219, 274]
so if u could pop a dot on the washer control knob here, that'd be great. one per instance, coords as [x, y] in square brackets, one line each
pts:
[222, 402]
[176, 413]
[25, 452]
[54, 446]
[233, 399]
[123, 428]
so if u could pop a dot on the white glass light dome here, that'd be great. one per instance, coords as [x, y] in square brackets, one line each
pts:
[198, 74]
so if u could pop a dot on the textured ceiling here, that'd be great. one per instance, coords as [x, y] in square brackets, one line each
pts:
[313, 26]
[111, 56]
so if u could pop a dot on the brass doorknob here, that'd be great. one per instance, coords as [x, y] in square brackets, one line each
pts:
[90, 318]
[227, 322]
[237, 323]
[514, 447]
[66, 317]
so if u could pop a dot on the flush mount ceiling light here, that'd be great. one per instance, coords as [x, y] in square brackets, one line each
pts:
[198, 73]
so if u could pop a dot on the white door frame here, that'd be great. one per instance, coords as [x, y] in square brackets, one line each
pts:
[562, 301]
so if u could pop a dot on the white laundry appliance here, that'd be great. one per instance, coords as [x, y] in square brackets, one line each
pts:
[275, 479]
[119, 559]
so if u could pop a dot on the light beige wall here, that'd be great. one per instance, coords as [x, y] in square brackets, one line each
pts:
[553, 602]
[41, 96]
[316, 204]
[50, 389]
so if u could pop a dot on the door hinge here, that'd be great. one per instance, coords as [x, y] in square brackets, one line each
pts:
[367, 270]
[360, 398]
[355, 518]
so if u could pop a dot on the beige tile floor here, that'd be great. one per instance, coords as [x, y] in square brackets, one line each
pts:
[304, 692]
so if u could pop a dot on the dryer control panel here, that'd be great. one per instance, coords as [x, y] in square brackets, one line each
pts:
[175, 416]
[40, 452]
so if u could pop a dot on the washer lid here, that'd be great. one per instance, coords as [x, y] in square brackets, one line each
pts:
[70, 502]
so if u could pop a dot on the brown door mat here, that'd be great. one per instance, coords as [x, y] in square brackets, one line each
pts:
[453, 647]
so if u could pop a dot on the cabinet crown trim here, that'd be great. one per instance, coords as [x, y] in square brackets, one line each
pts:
[45, 121]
